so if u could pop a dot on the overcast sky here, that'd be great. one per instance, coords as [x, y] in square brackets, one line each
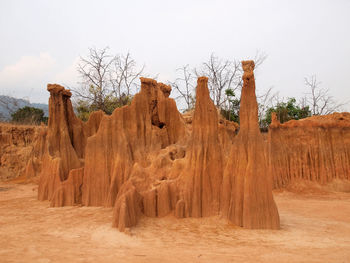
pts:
[41, 41]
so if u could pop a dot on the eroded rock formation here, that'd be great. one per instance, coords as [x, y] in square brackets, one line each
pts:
[184, 177]
[65, 142]
[126, 140]
[314, 149]
[148, 159]
[202, 176]
[247, 184]
[17, 146]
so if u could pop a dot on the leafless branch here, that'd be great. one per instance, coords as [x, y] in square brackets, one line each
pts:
[319, 99]
[184, 85]
[124, 76]
[265, 101]
[94, 71]
[222, 75]
[259, 58]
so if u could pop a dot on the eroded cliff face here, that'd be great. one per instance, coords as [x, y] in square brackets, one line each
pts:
[313, 149]
[17, 146]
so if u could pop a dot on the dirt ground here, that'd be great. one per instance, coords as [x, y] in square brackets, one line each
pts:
[315, 227]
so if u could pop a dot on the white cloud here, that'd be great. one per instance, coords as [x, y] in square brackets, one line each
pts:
[69, 75]
[27, 78]
[26, 69]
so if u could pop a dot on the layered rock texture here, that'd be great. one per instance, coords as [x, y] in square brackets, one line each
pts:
[313, 149]
[65, 143]
[191, 182]
[148, 159]
[17, 146]
[247, 187]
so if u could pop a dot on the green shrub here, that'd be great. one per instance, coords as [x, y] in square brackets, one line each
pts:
[29, 115]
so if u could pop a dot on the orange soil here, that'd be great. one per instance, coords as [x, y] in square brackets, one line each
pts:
[315, 227]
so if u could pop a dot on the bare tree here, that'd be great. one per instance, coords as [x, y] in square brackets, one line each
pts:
[95, 71]
[108, 81]
[259, 58]
[222, 75]
[185, 86]
[124, 75]
[319, 99]
[266, 101]
[225, 75]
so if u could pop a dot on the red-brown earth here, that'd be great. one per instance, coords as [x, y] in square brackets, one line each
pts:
[315, 227]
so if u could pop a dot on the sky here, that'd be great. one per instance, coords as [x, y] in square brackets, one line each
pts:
[41, 41]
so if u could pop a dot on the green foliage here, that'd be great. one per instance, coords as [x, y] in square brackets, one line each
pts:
[232, 113]
[110, 103]
[286, 111]
[29, 115]
[83, 110]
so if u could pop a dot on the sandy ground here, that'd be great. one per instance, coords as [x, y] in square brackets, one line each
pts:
[314, 228]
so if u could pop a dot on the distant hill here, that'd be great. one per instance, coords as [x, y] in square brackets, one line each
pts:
[9, 105]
